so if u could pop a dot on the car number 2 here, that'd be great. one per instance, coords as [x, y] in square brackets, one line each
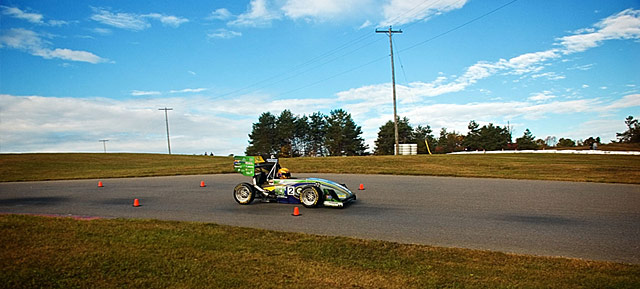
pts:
[290, 191]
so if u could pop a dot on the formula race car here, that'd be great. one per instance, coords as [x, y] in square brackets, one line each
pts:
[272, 183]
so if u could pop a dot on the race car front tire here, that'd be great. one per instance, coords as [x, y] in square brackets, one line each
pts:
[244, 193]
[311, 197]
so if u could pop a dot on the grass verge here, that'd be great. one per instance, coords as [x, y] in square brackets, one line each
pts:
[109, 253]
[562, 167]
[68, 166]
[557, 167]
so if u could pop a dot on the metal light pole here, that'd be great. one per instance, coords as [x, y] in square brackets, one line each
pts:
[166, 119]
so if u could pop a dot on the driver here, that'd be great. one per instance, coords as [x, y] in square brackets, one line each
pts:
[283, 173]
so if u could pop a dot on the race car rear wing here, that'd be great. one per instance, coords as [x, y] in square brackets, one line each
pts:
[247, 165]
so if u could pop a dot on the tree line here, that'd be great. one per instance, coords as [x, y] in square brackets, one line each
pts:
[336, 134]
[488, 137]
[287, 135]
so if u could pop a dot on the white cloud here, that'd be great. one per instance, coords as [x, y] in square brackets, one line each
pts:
[631, 100]
[135, 22]
[542, 96]
[322, 10]
[50, 124]
[366, 24]
[549, 76]
[168, 20]
[103, 31]
[258, 15]
[189, 90]
[144, 93]
[604, 128]
[398, 12]
[31, 42]
[624, 25]
[220, 14]
[371, 106]
[17, 13]
[223, 34]
[74, 55]
[35, 18]
[199, 123]
[120, 20]
[582, 67]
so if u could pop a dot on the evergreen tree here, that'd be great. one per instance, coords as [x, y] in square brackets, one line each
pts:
[421, 134]
[317, 134]
[301, 136]
[343, 135]
[261, 138]
[472, 140]
[527, 141]
[632, 134]
[385, 144]
[285, 131]
[449, 141]
[488, 137]
[566, 142]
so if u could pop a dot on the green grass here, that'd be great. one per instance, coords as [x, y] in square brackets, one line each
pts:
[67, 166]
[559, 167]
[564, 167]
[114, 253]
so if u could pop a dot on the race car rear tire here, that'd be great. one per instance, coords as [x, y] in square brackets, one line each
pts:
[311, 197]
[244, 193]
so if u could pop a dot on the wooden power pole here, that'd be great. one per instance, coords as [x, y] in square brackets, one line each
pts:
[104, 144]
[393, 83]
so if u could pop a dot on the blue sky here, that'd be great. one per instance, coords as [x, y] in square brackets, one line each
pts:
[77, 72]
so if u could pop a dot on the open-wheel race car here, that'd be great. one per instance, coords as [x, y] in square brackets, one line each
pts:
[272, 183]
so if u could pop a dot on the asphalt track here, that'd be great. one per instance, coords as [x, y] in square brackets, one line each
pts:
[579, 220]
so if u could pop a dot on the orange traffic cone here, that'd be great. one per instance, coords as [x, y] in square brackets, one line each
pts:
[100, 184]
[361, 187]
[136, 203]
[296, 212]
[202, 185]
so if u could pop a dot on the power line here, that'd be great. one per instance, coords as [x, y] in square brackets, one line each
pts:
[300, 69]
[292, 71]
[400, 50]
[459, 26]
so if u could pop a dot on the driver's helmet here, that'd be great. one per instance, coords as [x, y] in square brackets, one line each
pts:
[283, 173]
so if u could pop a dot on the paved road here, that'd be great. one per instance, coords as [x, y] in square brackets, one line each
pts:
[582, 220]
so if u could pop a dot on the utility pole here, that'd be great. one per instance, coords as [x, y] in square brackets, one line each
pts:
[393, 83]
[104, 144]
[166, 119]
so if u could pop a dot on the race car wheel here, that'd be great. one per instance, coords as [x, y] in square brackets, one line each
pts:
[311, 197]
[244, 194]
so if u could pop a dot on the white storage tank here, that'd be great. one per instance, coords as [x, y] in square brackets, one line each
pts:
[408, 149]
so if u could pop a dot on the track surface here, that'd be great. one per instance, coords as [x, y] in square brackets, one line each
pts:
[581, 220]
